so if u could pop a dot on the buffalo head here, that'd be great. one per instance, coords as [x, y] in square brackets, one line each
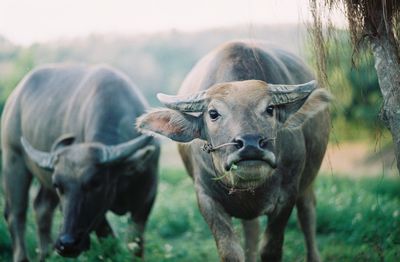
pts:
[241, 121]
[84, 176]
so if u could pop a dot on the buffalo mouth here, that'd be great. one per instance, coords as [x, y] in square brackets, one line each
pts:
[251, 170]
[246, 174]
[74, 248]
[247, 171]
[236, 161]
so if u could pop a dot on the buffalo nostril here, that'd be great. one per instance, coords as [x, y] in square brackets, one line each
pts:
[239, 142]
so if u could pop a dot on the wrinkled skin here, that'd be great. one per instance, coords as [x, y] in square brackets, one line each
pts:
[71, 128]
[276, 144]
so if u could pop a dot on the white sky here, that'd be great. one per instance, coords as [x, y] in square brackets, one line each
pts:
[28, 21]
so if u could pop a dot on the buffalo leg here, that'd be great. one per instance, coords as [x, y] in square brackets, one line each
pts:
[220, 224]
[45, 203]
[16, 181]
[136, 229]
[103, 229]
[274, 235]
[251, 230]
[306, 217]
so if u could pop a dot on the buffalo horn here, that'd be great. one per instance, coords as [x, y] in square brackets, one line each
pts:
[284, 94]
[190, 103]
[42, 159]
[122, 151]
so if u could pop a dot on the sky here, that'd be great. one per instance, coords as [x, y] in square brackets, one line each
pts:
[28, 21]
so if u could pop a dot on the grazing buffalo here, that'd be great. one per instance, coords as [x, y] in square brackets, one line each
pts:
[72, 128]
[258, 128]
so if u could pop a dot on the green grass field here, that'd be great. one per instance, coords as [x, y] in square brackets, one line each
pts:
[358, 220]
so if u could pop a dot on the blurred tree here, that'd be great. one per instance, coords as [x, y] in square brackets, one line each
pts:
[356, 89]
[377, 23]
[16, 63]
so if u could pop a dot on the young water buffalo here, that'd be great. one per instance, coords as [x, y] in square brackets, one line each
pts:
[72, 128]
[264, 143]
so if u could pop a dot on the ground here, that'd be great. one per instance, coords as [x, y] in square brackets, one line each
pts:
[358, 217]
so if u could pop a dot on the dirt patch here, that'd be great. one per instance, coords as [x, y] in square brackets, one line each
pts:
[359, 159]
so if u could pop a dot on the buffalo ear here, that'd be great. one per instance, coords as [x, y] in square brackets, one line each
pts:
[63, 141]
[173, 124]
[316, 102]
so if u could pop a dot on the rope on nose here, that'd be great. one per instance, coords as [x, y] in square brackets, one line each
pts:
[207, 147]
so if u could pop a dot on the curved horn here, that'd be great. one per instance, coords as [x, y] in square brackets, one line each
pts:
[190, 103]
[283, 94]
[42, 159]
[122, 151]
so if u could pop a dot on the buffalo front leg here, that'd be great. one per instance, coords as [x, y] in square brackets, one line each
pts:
[103, 229]
[271, 249]
[137, 228]
[45, 203]
[306, 216]
[220, 223]
[16, 181]
[136, 237]
[251, 229]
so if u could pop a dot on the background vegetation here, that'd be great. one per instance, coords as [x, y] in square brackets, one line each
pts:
[358, 218]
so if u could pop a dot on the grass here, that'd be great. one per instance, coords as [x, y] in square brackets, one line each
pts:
[358, 220]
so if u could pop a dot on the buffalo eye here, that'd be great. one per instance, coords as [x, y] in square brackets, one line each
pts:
[270, 110]
[213, 114]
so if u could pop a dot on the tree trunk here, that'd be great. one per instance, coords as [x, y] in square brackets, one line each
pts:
[387, 65]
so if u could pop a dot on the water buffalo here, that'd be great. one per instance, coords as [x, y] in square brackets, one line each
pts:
[264, 143]
[72, 128]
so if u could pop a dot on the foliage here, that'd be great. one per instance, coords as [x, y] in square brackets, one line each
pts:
[358, 220]
[367, 19]
[15, 63]
[373, 25]
[354, 84]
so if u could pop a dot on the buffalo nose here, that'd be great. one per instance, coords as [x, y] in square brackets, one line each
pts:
[67, 241]
[250, 141]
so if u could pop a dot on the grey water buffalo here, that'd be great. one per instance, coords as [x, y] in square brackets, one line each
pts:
[258, 128]
[72, 128]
